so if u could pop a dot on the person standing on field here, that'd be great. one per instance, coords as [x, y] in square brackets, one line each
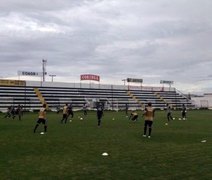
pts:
[148, 119]
[183, 112]
[99, 113]
[70, 110]
[126, 109]
[169, 113]
[19, 112]
[85, 109]
[42, 118]
[65, 113]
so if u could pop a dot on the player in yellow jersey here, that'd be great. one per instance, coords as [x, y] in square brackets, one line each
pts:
[42, 118]
[148, 117]
[134, 116]
[65, 113]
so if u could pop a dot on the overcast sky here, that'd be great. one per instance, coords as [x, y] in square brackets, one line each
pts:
[149, 39]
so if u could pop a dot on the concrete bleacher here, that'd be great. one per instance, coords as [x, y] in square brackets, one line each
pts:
[114, 96]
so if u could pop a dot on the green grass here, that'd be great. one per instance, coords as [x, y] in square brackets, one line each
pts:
[73, 150]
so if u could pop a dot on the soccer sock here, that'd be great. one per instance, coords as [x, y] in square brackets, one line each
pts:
[36, 127]
[45, 128]
[99, 122]
[150, 130]
[145, 128]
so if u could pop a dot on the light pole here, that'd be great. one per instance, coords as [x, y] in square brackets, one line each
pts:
[52, 75]
[44, 68]
[124, 81]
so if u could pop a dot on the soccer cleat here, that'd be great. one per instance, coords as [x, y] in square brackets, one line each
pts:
[149, 137]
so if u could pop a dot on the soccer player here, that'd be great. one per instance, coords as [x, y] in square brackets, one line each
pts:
[169, 113]
[42, 118]
[99, 113]
[13, 112]
[126, 109]
[19, 111]
[134, 116]
[183, 112]
[148, 117]
[65, 113]
[8, 113]
[70, 111]
[85, 109]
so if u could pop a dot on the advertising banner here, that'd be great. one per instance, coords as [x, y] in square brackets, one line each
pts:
[134, 80]
[29, 73]
[166, 82]
[5, 82]
[91, 77]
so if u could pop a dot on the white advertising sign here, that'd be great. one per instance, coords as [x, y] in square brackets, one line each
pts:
[29, 73]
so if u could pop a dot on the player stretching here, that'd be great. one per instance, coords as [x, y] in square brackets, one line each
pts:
[133, 116]
[42, 118]
[148, 117]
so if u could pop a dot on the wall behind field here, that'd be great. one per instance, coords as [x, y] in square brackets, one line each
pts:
[204, 101]
[97, 86]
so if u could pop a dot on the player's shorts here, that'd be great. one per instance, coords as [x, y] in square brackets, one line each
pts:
[99, 114]
[65, 116]
[148, 123]
[41, 120]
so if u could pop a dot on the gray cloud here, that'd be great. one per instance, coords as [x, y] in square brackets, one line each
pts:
[116, 39]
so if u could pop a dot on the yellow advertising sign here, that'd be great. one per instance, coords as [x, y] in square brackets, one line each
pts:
[5, 82]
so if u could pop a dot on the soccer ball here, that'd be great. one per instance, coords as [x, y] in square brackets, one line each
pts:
[70, 120]
[166, 124]
[173, 118]
[179, 118]
[113, 119]
[42, 133]
[104, 154]
[81, 118]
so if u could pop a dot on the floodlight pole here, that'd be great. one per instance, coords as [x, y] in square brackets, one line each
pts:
[44, 61]
[124, 81]
[52, 76]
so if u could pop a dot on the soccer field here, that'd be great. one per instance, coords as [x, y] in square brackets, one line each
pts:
[74, 150]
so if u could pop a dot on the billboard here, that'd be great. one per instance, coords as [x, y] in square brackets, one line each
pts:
[166, 82]
[91, 77]
[134, 80]
[29, 73]
[4, 82]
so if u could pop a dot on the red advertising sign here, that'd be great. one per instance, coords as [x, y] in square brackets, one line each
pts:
[89, 77]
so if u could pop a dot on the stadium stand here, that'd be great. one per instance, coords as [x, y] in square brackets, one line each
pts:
[115, 97]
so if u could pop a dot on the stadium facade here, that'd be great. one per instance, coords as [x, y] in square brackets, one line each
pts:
[32, 94]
